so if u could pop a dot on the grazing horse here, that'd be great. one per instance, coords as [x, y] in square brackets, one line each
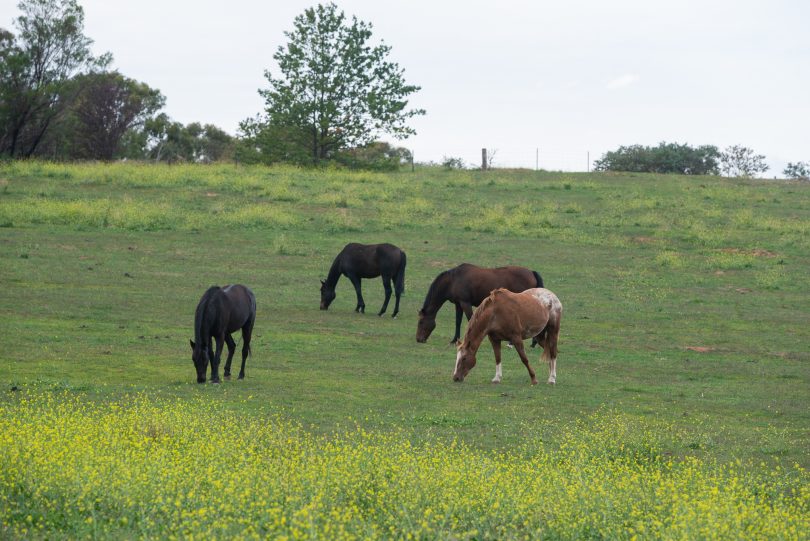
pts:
[358, 261]
[514, 317]
[222, 311]
[466, 286]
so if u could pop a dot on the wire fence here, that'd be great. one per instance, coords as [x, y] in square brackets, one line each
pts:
[537, 158]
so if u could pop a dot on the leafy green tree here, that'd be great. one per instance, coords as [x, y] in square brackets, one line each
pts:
[335, 91]
[163, 139]
[740, 161]
[665, 158]
[797, 171]
[36, 66]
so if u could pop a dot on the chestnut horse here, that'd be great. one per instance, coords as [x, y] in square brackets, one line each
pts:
[220, 312]
[514, 317]
[358, 261]
[466, 286]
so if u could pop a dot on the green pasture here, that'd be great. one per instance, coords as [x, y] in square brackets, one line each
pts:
[686, 300]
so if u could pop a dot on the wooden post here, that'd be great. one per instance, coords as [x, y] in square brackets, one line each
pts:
[537, 159]
[483, 159]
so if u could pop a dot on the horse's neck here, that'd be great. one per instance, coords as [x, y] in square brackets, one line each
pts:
[201, 325]
[477, 329]
[438, 294]
[334, 273]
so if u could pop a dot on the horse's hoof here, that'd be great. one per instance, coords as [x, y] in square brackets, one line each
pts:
[215, 381]
[241, 376]
[496, 381]
[550, 382]
[534, 382]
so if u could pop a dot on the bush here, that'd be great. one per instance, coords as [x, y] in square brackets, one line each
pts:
[665, 158]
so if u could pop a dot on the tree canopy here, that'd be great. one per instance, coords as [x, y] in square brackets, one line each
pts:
[335, 91]
[35, 68]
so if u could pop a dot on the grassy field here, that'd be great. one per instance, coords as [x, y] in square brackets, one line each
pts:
[683, 355]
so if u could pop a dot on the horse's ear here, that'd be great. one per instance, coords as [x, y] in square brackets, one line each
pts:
[192, 343]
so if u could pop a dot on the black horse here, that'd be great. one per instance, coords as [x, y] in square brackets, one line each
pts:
[222, 311]
[358, 261]
[466, 286]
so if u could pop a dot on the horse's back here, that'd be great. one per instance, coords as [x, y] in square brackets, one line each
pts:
[533, 309]
[479, 282]
[239, 303]
[370, 260]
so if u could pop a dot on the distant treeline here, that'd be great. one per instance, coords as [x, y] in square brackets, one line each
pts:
[60, 102]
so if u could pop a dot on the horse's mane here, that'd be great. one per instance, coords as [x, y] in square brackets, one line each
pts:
[200, 313]
[477, 315]
[434, 285]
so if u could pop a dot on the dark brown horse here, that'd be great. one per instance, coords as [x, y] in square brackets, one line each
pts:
[358, 261]
[466, 286]
[514, 317]
[220, 312]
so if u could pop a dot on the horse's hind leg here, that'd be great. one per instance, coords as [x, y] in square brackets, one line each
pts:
[247, 332]
[231, 350]
[550, 352]
[386, 280]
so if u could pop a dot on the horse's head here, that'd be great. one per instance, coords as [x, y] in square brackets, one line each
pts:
[424, 327]
[199, 355]
[465, 360]
[327, 295]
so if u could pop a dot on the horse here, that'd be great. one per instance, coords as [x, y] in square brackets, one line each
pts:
[220, 312]
[466, 286]
[513, 316]
[358, 261]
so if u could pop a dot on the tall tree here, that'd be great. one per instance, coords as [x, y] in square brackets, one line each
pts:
[49, 49]
[336, 90]
[107, 106]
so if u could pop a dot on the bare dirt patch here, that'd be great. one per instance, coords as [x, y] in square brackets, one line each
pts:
[700, 349]
[756, 252]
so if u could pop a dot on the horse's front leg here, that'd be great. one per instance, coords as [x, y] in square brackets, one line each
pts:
[386, 280]
[459, 313]
[496, 348]
[518, 343]
[215, 362]
[361, 306]
[231, 349]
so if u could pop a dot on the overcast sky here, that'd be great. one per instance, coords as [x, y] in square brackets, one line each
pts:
[566, 78]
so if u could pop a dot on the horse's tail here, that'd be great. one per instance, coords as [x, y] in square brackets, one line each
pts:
[399, 281]
[538, 278]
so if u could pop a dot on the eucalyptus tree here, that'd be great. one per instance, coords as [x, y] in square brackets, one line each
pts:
[36, 66]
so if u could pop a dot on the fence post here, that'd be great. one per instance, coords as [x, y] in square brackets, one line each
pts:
[483, 159]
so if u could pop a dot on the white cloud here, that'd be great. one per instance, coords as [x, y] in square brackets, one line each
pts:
[621, 82]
